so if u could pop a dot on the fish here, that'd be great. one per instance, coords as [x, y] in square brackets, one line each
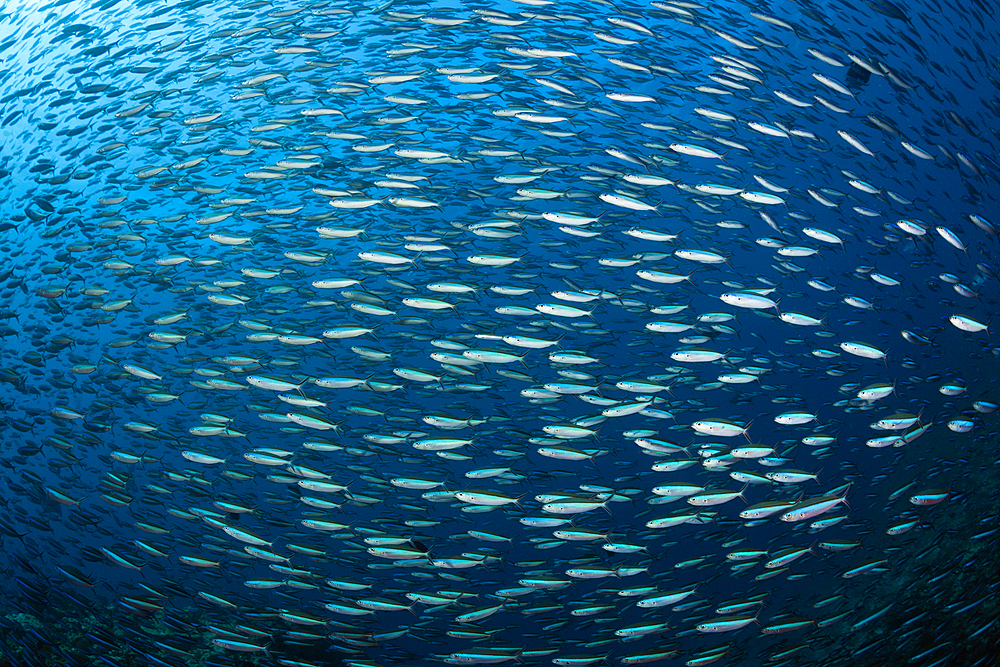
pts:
[344, 334]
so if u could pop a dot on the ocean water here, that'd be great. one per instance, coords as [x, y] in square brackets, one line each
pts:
[552, 333]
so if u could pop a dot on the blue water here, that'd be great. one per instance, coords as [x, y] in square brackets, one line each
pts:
[181, 180]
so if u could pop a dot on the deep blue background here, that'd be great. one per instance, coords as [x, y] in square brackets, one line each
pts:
[74, 73]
